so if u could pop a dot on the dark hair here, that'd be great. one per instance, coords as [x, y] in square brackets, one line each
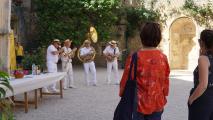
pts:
[151, 34]
[206, 37]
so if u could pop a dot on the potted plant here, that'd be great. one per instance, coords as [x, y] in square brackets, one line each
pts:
[6, 112]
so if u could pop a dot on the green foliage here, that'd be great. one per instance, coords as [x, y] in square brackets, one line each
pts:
[64, 19]
[37, 57]
[202, 14]
[137, 16]
[4, 84]
[5, 106]
[6, 110]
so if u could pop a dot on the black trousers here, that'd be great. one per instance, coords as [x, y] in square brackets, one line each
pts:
[202, 108]
[19, 59]
[153, 116]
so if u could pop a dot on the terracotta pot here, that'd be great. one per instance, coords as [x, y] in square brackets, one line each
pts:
[19, 75]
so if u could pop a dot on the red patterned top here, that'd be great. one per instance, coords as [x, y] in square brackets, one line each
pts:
[152, 80]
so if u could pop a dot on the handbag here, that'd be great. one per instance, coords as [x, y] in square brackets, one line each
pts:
[127, 106]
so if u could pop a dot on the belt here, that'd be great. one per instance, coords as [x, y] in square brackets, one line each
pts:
[88, 61]
[53, 62]
[67, 61]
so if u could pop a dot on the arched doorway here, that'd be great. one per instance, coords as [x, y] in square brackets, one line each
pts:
[182, 32]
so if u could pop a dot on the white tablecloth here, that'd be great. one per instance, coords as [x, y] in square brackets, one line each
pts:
[32, 82]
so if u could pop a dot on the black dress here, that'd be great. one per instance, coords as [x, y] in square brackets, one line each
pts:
[202, 107]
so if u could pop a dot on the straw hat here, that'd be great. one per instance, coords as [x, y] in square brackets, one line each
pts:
[56, 41]
[67, 40]
[112, 42]
[87, 42]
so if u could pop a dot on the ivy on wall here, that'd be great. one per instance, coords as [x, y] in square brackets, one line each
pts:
[136, 16]
[64, 19]
[203, 14]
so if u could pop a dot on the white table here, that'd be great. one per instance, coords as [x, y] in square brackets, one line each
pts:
[35, 82]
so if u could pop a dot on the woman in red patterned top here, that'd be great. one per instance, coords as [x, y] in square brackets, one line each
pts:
[152, 75]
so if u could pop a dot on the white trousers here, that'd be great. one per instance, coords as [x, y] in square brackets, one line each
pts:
[89, 69]
[68, 80]
[51, 68]
[112, 66]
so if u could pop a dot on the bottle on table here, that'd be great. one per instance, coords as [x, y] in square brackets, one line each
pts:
[38, 70]
[33, 69]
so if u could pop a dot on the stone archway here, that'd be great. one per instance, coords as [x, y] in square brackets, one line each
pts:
[182, 32]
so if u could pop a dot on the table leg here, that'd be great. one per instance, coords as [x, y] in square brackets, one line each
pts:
[61, 88]
[41, 94]
[36, 99]
[13, 98]
[26, 102]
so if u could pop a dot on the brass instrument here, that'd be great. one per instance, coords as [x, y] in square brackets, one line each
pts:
[70, 54]
[88, 57]
[91, 36]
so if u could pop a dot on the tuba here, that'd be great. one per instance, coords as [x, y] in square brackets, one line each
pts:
[91, 36]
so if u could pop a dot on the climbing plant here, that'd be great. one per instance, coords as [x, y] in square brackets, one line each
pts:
[64, 19]
[71, 18]
[136, 16]
[203, 14]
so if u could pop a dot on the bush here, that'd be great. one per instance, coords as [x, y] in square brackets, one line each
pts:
[37, 57]
[64, 19]
[5, 105]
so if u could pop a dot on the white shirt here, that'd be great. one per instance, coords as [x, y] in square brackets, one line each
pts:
[111, 50]
[50, 56]
[85, 50]
[66, 50]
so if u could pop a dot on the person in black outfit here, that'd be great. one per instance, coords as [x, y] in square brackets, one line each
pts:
[200, 101]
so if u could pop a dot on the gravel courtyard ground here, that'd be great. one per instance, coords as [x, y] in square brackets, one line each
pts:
[98, 103]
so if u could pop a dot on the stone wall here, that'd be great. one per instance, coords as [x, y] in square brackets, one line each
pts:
[5, 9]
[4, 52]
[23, 22]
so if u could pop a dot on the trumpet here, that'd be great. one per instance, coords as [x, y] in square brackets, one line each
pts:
[70, 54]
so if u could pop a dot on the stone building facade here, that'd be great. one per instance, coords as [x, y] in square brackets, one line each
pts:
[180, 35]
[23, 21]
[5, 8]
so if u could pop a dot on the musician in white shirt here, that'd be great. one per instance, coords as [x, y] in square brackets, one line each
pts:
[111, 53]
[52, 60]
[87, 54]
[66, 58]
